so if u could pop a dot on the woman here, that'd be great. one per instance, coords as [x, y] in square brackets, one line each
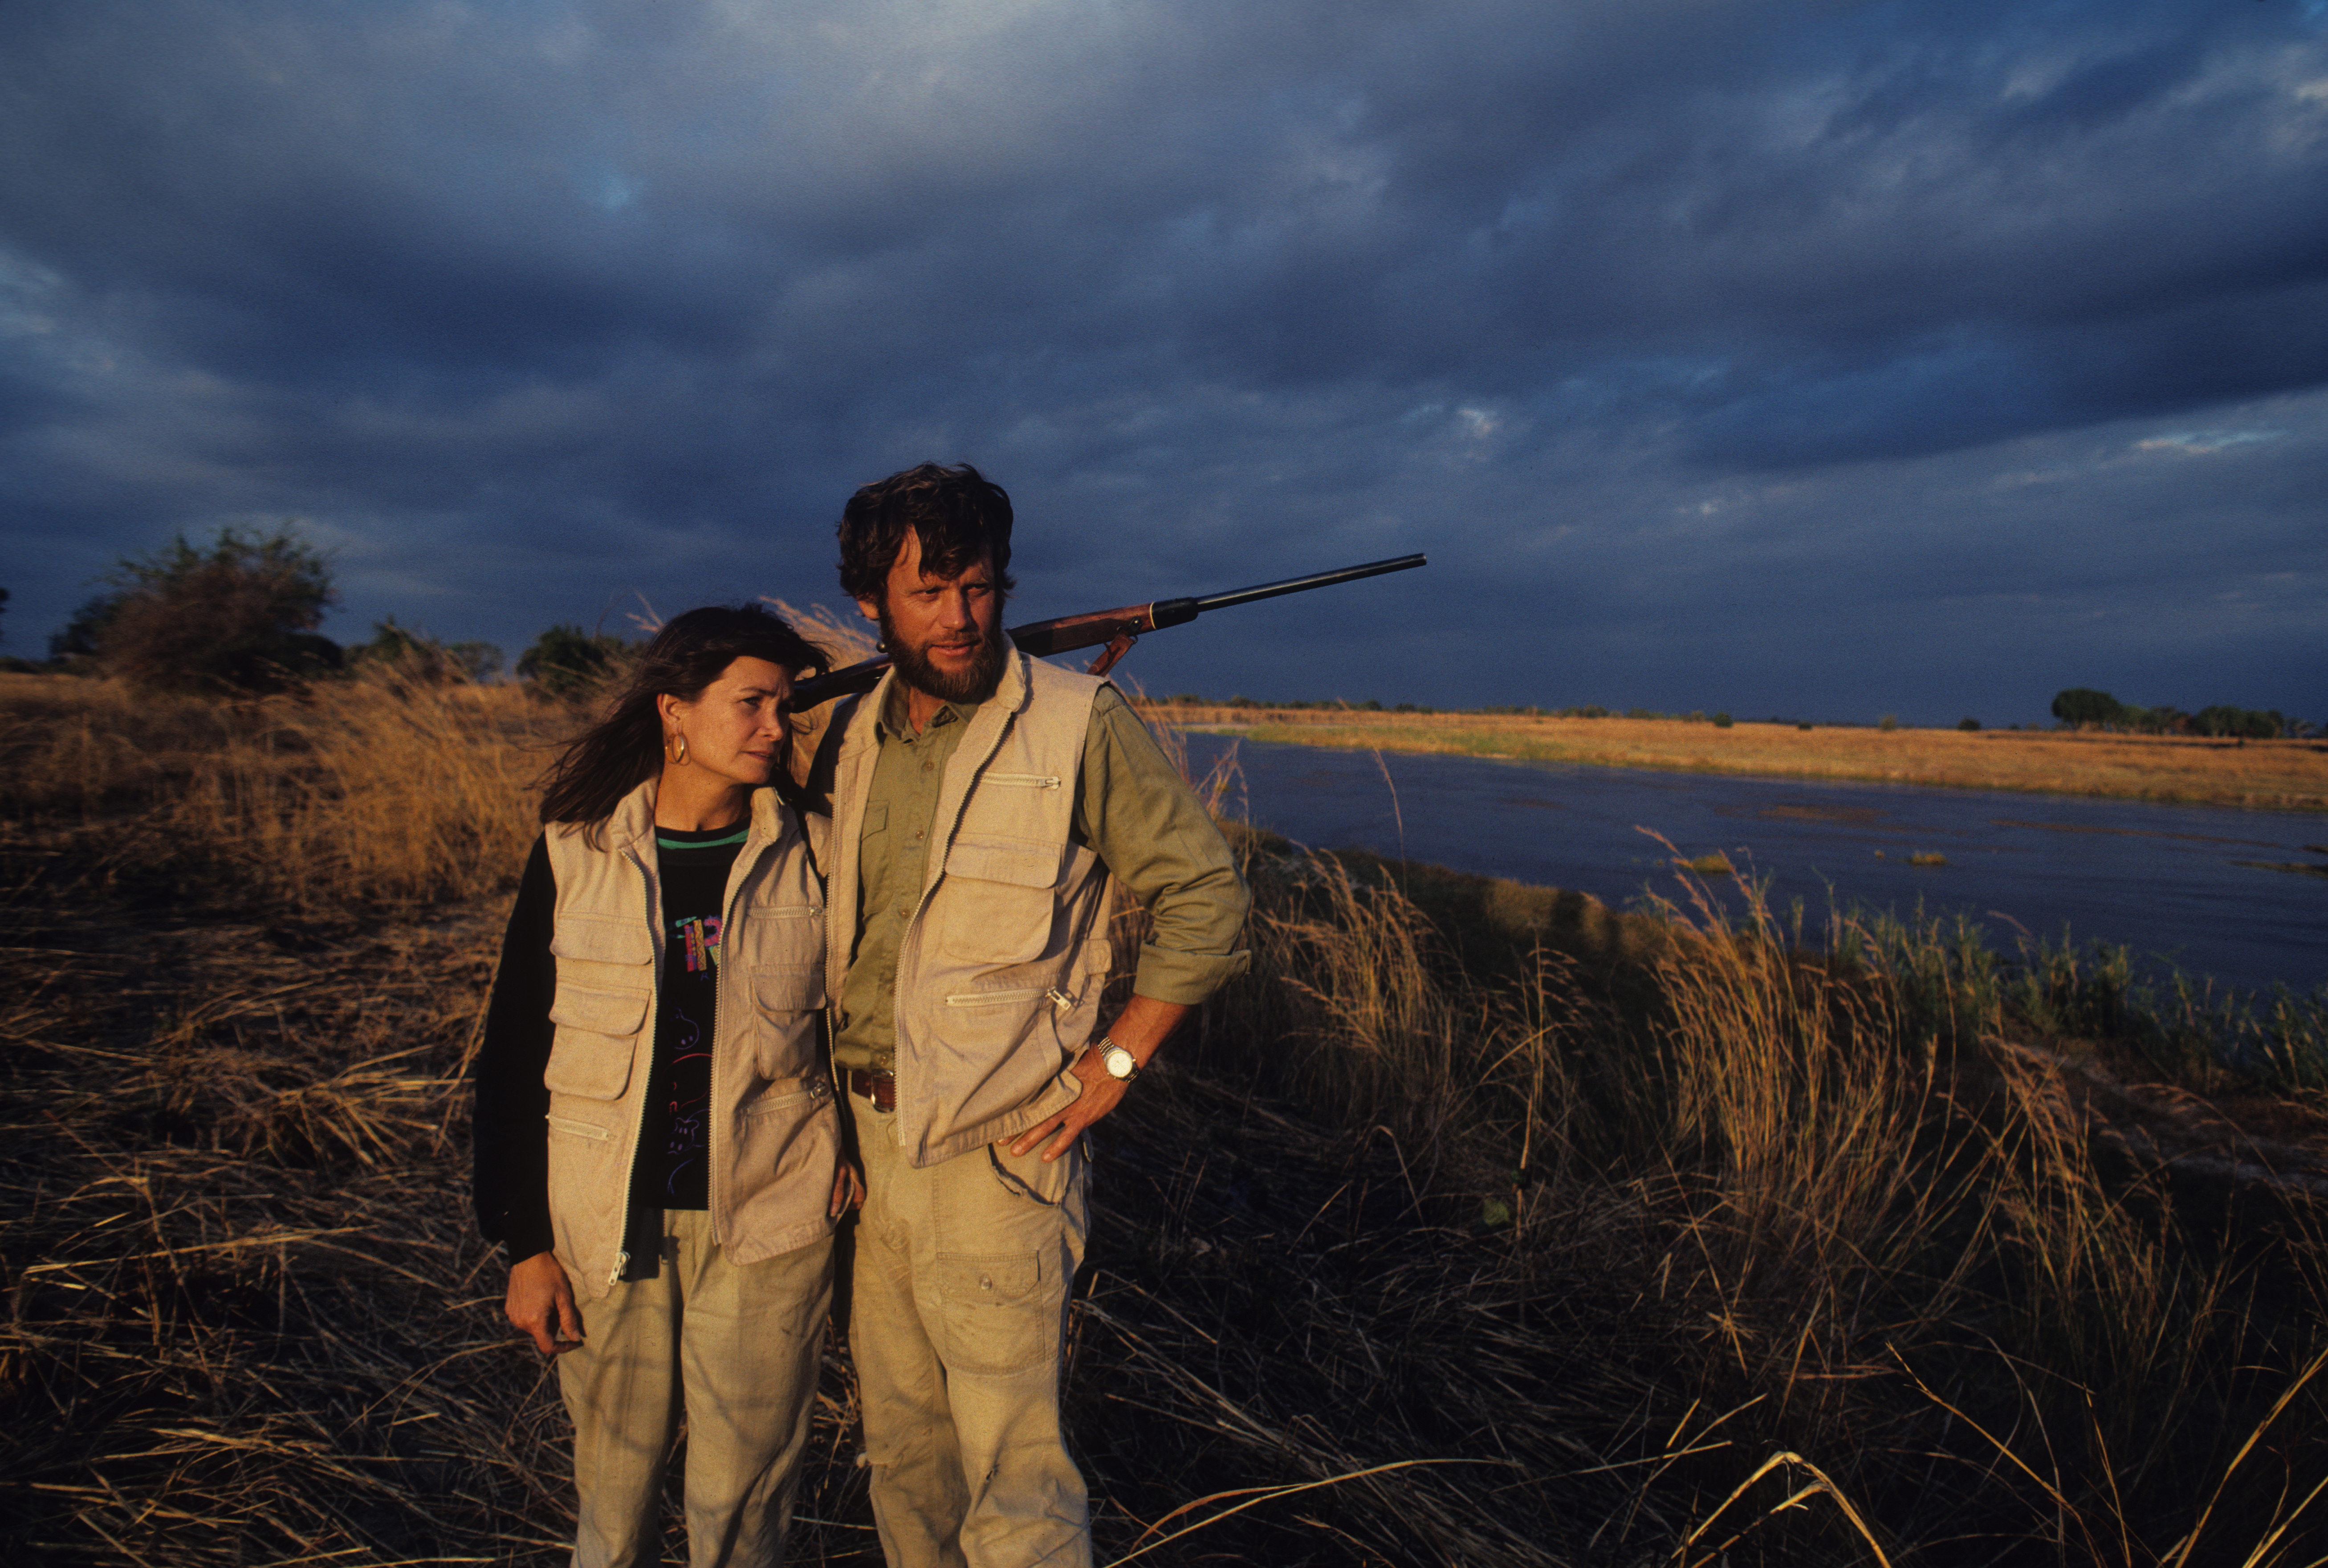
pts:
[656, 1140]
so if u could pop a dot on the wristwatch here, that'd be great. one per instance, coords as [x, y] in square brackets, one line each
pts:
[1120, 1062]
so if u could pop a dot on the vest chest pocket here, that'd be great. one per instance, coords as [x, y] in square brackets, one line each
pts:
[597, 1034]
[604, 978]
[1000, 898]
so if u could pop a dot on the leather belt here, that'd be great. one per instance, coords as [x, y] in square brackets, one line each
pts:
[878, 1085]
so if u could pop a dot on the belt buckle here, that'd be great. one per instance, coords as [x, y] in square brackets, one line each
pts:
[875, 1085]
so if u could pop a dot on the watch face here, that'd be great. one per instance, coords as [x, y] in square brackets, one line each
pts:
[1119, 1062]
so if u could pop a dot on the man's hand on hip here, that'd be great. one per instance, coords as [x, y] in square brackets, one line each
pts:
[1143, 1029]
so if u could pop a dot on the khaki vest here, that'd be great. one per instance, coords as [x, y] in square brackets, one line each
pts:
[774, 1135]
[999, 968]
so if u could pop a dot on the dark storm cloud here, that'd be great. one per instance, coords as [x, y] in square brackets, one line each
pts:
[1699, 340]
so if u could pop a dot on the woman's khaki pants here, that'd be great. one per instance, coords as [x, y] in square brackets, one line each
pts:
[736, 1351]
[957, 1321]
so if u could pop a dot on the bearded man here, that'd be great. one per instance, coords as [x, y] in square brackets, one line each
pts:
[982, 802]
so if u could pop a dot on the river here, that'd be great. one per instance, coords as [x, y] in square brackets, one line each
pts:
[2204, 887]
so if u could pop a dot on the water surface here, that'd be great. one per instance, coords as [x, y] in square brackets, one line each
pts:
[2194, 885]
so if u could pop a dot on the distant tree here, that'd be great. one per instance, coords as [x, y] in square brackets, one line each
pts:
[75, 647]
[567, 662]
[2238, 723]
[2083, 708]
[1722, 721]
[418, 656]
[237, 617]
[1968, 724]
[481, 661]
[1888, 722]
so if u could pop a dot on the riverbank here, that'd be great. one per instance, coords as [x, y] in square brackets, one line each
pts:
[2188, 770]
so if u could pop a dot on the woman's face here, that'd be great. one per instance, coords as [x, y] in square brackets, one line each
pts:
[735, 728]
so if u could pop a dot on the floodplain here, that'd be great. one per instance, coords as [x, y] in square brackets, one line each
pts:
[2278, 774]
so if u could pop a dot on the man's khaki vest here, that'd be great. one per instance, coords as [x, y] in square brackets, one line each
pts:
[1001, 967]
[774, 1131]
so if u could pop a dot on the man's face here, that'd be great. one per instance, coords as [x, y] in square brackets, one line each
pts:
[944, 634]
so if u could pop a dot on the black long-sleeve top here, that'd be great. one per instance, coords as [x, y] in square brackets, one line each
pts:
[510, 1175]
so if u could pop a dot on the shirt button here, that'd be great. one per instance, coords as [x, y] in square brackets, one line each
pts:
[925, 767]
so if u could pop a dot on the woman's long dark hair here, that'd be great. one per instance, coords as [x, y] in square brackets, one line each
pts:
[624, 749]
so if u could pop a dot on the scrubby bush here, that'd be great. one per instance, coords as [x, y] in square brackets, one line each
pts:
[1888, 723]
[416, 656]
[1722, 721]
[236, 618]
[567, 662]
[1968, 724]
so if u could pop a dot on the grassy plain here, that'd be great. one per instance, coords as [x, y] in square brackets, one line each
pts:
[1478, 1223]
[2278, 775]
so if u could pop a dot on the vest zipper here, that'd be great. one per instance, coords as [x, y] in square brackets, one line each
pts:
[913, 932]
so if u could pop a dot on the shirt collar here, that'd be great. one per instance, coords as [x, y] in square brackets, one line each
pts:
[892, 721]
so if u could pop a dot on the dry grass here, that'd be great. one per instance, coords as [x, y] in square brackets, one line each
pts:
[1479, 1225]
[2279, 775]
[374, 789]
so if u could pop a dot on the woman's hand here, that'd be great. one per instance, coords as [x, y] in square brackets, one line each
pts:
[848, 1189]
[541, 1301]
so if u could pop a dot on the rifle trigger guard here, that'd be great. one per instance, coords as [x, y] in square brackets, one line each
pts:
[1117, 647]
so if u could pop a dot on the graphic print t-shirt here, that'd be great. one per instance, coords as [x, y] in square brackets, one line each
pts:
[674, 1150]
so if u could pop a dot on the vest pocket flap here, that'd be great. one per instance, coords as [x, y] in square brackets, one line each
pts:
[600, 1012]
[601, 941]
[591, 1066]
[991, 1280]
[1020, 862]
[788, 988]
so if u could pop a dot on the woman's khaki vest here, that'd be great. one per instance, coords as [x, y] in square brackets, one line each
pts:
[774, 1131]
[1000, 968]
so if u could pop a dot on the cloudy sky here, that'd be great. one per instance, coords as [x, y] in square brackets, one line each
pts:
[1823, 359]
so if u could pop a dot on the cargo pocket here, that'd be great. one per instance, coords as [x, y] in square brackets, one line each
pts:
[998, 1317]
[1003, 901]
[598, 1035]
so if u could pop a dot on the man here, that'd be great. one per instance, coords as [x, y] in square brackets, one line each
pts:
[980, 801]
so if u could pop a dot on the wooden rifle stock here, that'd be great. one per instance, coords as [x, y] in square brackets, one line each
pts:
[1118, 629]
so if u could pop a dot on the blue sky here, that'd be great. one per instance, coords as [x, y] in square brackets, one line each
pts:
[1827, 359]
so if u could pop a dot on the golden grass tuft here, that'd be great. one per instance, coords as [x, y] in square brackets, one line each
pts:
[375, 788]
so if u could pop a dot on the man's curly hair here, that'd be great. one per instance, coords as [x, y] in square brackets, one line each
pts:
[957, 512]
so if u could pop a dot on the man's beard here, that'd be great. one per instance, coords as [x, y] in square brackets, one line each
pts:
[972, 685]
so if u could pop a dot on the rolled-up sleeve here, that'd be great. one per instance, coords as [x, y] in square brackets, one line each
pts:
[1141, 817]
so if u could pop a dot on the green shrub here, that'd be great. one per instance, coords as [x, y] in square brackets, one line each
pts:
[567, 662]
[236, 618]
[1968, 724]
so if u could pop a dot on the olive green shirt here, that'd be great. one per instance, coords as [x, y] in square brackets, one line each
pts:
[1132, 809]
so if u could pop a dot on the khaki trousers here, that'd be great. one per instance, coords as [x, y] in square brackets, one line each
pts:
[736, 1349]
[957, 1324]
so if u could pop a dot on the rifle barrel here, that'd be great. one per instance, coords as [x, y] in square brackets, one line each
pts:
[1315, 580]
[1082, 631]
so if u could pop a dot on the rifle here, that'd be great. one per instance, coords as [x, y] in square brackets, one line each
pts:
[1119, 629]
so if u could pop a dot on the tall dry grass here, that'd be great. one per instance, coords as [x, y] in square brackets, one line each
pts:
[378, 788]
[1910, 1258]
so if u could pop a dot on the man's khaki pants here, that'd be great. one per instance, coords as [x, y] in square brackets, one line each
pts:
[957, 1324]
[738, 1350]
